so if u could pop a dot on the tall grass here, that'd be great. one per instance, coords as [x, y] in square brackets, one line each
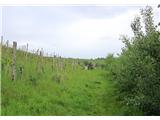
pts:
[44, 88]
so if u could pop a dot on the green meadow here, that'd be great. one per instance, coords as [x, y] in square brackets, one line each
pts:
[71, 90]
[126, 84]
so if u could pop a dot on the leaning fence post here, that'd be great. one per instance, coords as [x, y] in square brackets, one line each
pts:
[14, 61]
[1, 40]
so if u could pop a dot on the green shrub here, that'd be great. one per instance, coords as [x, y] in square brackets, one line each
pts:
[138, 73]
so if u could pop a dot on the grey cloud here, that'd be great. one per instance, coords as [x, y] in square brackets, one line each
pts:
[47, 27]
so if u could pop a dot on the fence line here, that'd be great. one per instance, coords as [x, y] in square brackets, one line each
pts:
[55, 63]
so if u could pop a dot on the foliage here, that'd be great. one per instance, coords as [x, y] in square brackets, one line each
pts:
[138, 70]
[125, 85]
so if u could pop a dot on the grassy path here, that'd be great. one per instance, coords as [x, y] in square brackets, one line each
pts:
[88, 91]
[82, 92]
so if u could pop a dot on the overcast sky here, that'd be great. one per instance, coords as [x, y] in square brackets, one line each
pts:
[70, 31]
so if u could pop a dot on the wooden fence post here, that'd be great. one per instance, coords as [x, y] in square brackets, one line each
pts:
[26, 52]
[1, 40]
[1, 64]
[52, 63]
[14, 61]
[1, 47]
[7, 43]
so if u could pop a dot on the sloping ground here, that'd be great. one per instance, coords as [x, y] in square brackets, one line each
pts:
[82, 93]
[73, 91]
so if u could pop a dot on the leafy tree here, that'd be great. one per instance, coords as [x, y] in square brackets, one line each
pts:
[138, 71]
[147, 15]
[137, 27]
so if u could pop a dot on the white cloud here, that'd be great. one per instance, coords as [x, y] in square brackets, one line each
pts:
[1, 20]
[68, 33]
[156, 15]
[98, 37]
